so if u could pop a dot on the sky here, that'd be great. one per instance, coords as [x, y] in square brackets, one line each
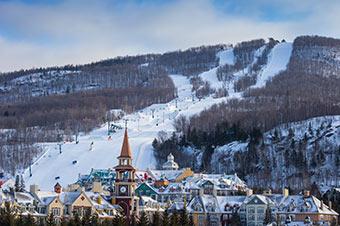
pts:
[37, 33]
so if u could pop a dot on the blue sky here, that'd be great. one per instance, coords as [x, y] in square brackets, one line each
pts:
[35, 33]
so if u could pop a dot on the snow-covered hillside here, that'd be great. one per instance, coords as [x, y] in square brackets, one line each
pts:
[143, 126]
[294, 154]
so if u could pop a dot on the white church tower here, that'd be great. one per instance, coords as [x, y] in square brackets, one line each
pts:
[170, 164]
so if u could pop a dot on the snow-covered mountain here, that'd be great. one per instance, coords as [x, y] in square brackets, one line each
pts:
[201, 77]
[143, 125]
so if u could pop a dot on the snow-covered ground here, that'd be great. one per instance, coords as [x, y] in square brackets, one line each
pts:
[142, 128]
[277, 61]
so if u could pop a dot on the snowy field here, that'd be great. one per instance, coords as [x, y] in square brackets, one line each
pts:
[142, 129]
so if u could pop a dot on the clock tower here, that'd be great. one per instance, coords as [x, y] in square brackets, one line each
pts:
[125, 183]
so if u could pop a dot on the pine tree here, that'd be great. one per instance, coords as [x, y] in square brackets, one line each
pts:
[156, 220]
[235, 219]
[22, 183]
[165, 219]
[268, 217]
[118, 220]
[94, 220]
[174, 219]
[63, 222]
[143, 220]
[17, 184]
[50, 220]
[133, 220]
[184, 219]
[29, 221]
[7, 215]
[85, 221]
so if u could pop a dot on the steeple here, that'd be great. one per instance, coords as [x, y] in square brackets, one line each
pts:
[125, 151]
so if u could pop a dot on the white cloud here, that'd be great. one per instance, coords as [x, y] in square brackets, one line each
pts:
[80, 32]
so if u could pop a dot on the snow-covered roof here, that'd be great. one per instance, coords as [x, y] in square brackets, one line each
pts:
[99, 202]
[300, 203]
[170, 175]
[24, 198]
[220, 181]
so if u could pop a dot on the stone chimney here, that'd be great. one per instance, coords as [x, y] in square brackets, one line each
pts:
[34, 188]
[306, 193]
[330, 204]
[321, 205]
[285, 192]
[97, 187]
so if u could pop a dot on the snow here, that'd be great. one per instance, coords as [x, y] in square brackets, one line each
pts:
[142, 129]
[211, 77]
[277, 62]
[226, 57]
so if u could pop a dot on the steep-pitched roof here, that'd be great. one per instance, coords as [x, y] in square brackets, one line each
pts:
[126, 150]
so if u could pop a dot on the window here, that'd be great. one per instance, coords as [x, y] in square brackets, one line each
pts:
[251, 210]
[56, 211]
[43, 210]
[260, 210]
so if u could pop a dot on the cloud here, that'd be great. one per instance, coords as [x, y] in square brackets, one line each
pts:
[74, 32]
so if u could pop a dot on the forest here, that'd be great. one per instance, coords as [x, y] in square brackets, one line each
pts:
[52, 104]
[308, 88]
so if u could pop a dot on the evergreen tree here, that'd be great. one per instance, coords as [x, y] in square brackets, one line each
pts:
[165, 219]
[50, 220]
[268, 217]
[191, 220]
[7, 217]
[184, 219]
[19, 220]
[29, 221]
[143, 220]
[174, 220]
[17, 184]
[85, 221]
[133, 220]
[235, 219]
[63, 222]
[22, 183]
[156, 220]
[118, 220]
[94, 220]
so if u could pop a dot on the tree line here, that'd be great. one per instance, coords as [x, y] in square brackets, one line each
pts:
[10, 217]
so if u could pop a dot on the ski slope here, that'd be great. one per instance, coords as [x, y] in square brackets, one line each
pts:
[277, 62]
[143, 127]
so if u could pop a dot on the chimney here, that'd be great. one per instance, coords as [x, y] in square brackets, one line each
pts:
[97, 187]
[321, 205]
[330, 204]
[285, 192]
[34, 188]
[306, 193]
[99, 200]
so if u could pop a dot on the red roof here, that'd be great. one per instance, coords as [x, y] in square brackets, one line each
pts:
[126, 150]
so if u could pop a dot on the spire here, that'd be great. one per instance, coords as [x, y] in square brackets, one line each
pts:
[126, 151]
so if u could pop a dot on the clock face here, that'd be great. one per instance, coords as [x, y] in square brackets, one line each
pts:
[122, 189]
